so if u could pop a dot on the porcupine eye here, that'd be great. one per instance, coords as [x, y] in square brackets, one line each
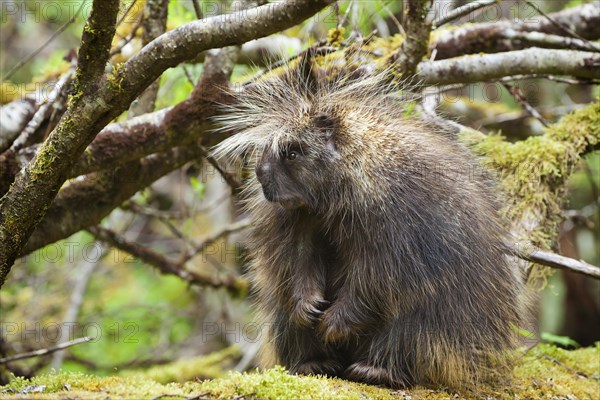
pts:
[292, 152]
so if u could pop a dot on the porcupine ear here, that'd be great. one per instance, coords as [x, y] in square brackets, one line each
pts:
[326, 125]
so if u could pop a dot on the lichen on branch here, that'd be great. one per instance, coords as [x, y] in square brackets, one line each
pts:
[533, 174]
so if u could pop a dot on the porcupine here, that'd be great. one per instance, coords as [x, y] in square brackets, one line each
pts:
[377, 254]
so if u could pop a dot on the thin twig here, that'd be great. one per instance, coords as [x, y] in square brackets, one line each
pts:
[563, 27]
[43, 352]
[565, 366]
[461, 12]
[197, 9]
[129, 37]
[557, 261]
[393, 18]
[346, 18]
[126, 12]
[43, 46]
[234, 284]
[226, 231]
[520, 98]
[187, 74]
[231, 181]
[560, 79]
[163, 217]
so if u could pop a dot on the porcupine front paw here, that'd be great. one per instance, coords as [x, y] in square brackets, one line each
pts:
[363, 372]
[308, 310]
[329, 367]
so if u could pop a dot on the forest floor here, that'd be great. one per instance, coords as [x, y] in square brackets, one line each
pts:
[542, 372]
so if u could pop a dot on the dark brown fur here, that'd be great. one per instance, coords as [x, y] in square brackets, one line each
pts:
[377, 251]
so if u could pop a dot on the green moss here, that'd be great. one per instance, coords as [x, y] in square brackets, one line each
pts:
[533, 174]
[196, 368]
[115, 79]
[542, 372]
[549, 372]
[276, 383]
[75, 385]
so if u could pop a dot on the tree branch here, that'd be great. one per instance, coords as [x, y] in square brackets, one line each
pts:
[461, 12]
[27, 200]
[477, 68]
[43, 352]
[557, 261]
[548, 40]
[199, 248]
[489, 37]
[190, 39]
[233, 284]
[96, 41]
[106, 190]
[417, 29]
[155, 24]
[96, 195]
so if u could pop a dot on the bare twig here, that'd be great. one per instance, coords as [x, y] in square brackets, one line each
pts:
[346, 16]
[162, 216]
[231, 181]
[234, 284]
[197, 9]
[565, 366]
[188, 76]
[557, 261]
[554, 22]
[560, 79]
[43, 352]
[461, 12]
[547, 40]
[129, 37]
[232, 228]
[520, 98]
[126, 13]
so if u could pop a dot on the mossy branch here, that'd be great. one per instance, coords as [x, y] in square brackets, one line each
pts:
[533, 175]
[96, 41]
[414, 47]
[28, 199]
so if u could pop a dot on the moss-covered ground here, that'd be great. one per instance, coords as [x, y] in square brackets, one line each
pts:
[542, 372]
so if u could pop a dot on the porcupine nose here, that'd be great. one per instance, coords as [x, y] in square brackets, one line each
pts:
[264, 174]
